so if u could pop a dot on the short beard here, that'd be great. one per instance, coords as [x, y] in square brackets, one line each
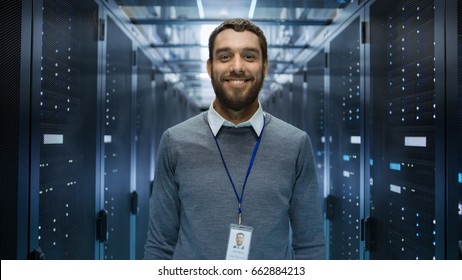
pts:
[237, 104]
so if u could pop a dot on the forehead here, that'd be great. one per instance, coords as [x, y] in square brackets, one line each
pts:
[236, 40]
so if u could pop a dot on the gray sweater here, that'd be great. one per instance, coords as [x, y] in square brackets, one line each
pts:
[193, 202]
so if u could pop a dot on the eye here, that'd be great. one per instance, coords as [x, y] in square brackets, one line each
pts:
[224, 57]
[249, 56]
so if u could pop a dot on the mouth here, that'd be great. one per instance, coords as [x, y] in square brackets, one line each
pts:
[237, 82]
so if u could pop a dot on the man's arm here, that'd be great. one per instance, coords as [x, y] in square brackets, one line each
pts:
[308, 239]
[164, 207]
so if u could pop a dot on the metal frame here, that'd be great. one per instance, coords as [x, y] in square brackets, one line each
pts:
[329, 140]
[453, 125]
[441, 134]
[35, 126]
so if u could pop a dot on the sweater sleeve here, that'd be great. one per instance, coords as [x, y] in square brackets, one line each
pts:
[164, 206]
[308, 239]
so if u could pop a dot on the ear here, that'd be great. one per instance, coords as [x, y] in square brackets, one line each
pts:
[209, 67]
[265, 68]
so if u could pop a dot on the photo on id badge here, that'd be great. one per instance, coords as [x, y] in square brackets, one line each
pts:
[239, 242]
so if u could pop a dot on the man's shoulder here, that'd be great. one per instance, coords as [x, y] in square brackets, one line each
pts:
[283, 128]
[189, 126]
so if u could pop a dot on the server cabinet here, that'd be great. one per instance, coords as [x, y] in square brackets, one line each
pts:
[454, 124]
[63, 130]
[345, 137]
[144, 149]
[298, 92]
[280, 102]
[15, 20]
[159, 112]
[117, 130]
[313, 113]
[270, 103]
[458, 193]
[286, 104]
[404, 187]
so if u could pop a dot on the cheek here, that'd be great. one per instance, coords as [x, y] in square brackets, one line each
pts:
[217, 73]
[258, 72]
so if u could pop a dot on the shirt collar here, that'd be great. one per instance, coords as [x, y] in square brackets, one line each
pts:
[216, 121]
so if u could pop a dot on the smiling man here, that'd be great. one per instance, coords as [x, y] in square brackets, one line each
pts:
[235, 168]
[237, 66]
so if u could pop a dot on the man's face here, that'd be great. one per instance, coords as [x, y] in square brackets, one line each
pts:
[237, 69]
[239, 239]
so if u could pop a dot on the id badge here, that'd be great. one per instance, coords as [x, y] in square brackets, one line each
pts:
[240, 237]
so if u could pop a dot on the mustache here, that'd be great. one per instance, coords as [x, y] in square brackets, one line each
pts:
[237, 76]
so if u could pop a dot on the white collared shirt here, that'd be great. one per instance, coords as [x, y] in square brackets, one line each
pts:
[216, 121]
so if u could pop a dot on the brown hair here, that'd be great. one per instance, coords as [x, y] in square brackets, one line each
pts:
[239, 25]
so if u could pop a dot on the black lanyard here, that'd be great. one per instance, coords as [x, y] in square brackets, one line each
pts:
[255, 149]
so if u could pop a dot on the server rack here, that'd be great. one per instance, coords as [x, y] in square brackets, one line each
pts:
[159, 123]
[15, 34]
[403, 173]
[280, 102]
[287, 103]
[118, 137]
[63, 130]
[314, 113]
[454, 126]
[270, 103]
[458, 193]
[298, 93]
[144, 149]
[345, 137]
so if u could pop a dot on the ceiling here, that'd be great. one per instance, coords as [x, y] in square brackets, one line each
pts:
[177, 33]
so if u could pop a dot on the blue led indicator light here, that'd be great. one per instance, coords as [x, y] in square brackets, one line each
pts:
[460, 177]
[395, 166]
[346, 157]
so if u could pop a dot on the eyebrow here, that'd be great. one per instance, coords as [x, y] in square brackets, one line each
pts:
[245, 50]
[252, 50]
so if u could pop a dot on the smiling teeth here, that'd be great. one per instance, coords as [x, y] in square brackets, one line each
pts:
[237, 82]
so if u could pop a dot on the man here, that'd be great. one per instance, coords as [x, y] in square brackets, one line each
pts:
[235, 166]
[239, 241]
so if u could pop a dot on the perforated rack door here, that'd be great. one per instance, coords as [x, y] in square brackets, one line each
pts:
[345, 142]
[67, 117]
[454, 107]
[402, 186]
[458, 225]
[15, 45]
[117, 127]
[313, 113]
[144, 147]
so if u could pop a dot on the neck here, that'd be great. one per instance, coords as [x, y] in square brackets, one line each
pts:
[233, 116]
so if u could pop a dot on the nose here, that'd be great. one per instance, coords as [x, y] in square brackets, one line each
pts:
[237, 65]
